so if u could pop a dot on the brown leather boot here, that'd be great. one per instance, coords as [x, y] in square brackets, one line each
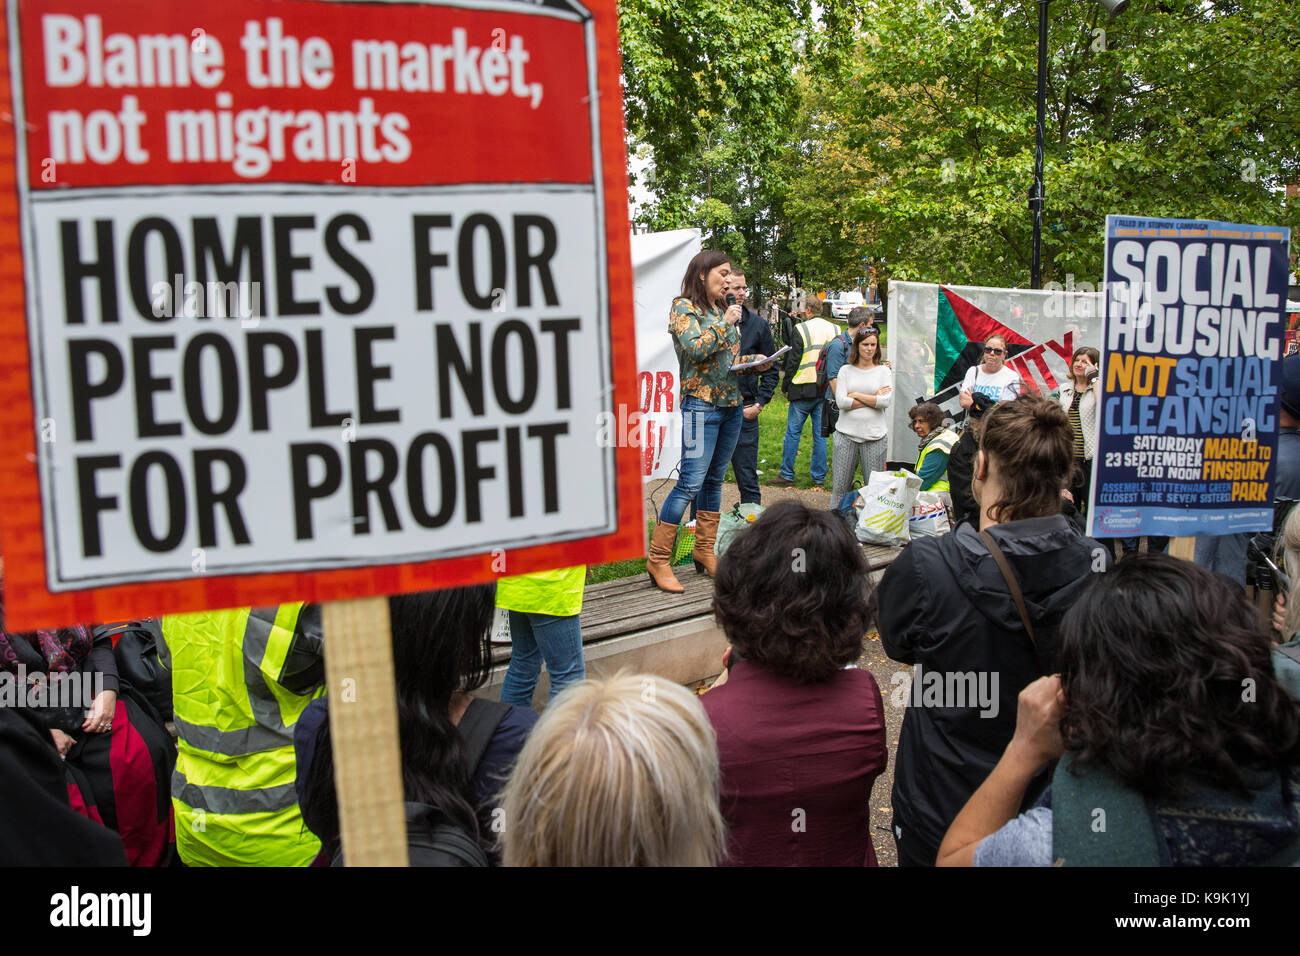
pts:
[659, 562]
[706, 532]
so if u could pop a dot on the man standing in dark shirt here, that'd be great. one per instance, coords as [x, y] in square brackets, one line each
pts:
[755, 392]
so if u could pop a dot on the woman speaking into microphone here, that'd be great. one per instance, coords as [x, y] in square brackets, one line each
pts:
[707, 342]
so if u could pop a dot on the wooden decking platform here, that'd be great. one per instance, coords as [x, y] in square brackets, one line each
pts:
[632, 614]
[634, 604]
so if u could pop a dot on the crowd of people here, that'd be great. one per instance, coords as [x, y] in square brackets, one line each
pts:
[849, 409]
[1049, 680]
[1113, 687]
[837, 383]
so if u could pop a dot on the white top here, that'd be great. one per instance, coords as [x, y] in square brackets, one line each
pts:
[1002, 386]
[1087, 415]
[867, 423]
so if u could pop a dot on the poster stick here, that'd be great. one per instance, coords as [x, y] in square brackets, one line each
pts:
[363, 732]
[1184, 548]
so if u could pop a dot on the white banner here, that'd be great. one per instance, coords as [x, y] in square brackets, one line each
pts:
[659, 261]
[935, 333]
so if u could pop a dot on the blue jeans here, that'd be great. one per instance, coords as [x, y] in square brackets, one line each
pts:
[709, 434]
[1223, 554]
[801, 410]
[534, 637]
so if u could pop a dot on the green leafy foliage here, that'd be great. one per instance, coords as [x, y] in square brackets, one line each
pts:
[922, 158]
[711, 91]
[897, 136]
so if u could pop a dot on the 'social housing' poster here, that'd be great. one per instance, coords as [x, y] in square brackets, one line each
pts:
[1190, 357]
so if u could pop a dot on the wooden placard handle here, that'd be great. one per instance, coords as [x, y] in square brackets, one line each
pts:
[363, 731]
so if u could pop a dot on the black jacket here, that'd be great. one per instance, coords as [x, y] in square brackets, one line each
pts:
[961, 468]
[756, 339]
[38, 826]
[946, 608]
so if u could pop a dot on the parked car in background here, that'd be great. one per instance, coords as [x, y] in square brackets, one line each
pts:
[842, 303]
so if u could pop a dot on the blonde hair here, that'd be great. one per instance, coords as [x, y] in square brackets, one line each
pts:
[618, 772]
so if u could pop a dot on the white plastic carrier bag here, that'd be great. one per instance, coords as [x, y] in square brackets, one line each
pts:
[887, 504]
[929, 517]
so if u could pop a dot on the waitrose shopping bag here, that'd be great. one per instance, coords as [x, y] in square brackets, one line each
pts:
[888, 499]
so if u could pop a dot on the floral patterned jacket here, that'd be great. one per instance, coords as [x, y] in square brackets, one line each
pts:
[706, 346]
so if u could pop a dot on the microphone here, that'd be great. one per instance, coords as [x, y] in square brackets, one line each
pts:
[731, 300]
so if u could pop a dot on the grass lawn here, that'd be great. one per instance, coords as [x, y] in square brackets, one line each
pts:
[598, 573]
[771, 437]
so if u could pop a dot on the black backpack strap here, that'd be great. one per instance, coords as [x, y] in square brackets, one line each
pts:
[477, 726]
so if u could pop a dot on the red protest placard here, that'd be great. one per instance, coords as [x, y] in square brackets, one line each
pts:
[308, 300]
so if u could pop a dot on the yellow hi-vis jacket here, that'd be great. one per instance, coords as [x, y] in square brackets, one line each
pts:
[814, 333]
[942, 442]
[240, 680]
[557, 593]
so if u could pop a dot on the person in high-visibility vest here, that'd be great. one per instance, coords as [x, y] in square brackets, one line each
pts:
[800, 387]
[936, 445]
[544, 612]
[240, 680]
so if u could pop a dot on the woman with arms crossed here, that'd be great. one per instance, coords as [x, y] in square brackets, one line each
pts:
[862, 390]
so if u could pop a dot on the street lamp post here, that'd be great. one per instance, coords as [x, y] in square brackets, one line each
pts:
[1036, 193]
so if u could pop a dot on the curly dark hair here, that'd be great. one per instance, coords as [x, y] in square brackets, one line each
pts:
[928, 412]
[1168, 680]
[793, 593]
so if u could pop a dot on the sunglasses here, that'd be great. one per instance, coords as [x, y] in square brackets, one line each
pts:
[989, 351]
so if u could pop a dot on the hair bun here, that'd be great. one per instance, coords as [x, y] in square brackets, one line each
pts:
[1049, 413]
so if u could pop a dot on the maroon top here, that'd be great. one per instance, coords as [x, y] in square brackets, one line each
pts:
[786, 747]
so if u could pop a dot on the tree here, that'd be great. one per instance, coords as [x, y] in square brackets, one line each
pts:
[923, 157]
[710, 92]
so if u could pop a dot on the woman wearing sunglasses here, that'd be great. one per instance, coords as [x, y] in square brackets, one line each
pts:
[992, 377]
